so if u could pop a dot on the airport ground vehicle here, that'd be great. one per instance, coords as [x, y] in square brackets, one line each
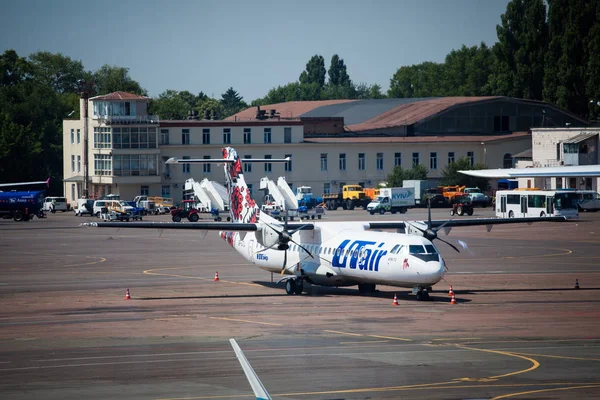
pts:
[305, 197]
[394, 200]
[188, 210]
[437, 199]
[420, 187]
[536, 203]
[477, 197]
[146, 203]
[450, 192]
[162, 205]
[462, 205]
[349, 198]
[84, 206]
[589, 200]
[111, 205]
[22, 206]
[55, 204]
[207, 195]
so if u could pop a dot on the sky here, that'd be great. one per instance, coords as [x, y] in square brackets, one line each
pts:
[250, 45]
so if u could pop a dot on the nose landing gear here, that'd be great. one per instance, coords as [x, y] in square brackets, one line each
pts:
[422, 294]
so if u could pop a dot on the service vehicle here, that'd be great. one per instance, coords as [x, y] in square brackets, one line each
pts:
[146, 203]
[450, 192]
[589, 200]
[434, 197]
[111, 205]
[163, 205]
[478, 198]
[349, 198]
[419, 186]
[394, 200]
[537, 203]
[305, 197]
[53, 204]
[22, 206]
[189, 211]
[84, 206]
[461, 205]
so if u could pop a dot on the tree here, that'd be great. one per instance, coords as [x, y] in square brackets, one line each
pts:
[522, 42]
[467, 71]
[59, 72]
[170, 105]
[337, 72]
[110, 78]
[451, 176]
[398, 175]
[232, 102]
[315, 71]
[420, 80]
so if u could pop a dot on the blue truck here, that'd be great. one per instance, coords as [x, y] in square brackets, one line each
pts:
[22, 206]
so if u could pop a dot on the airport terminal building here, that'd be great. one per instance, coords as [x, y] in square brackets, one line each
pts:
[330, 142]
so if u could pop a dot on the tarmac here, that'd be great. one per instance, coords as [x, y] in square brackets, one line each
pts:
[519, 328]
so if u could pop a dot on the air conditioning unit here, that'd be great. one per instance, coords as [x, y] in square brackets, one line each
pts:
[167, 175]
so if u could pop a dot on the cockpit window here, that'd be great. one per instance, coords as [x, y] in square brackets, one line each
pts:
[430, 249]
[427, 253]
[416, 249]
[395, 249]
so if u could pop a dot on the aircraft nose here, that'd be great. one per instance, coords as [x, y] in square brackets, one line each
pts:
[433, 271]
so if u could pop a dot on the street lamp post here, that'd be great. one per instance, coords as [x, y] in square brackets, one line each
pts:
[484, 152]
[85, 90]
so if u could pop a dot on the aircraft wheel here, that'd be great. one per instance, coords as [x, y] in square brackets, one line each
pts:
[299, 287]
[422, 295]
[290, 286]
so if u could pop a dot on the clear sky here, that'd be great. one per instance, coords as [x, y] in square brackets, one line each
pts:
[251, 45]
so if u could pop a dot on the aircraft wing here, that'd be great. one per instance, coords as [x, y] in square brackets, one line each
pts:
[571, 170]
[46, 182]
[257, 387]
[453, 223]
[203, 226]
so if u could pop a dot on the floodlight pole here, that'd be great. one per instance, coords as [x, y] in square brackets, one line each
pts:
[85, 90]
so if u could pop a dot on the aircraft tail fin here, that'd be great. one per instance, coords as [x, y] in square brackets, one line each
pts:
[241, 205]
[257, 387]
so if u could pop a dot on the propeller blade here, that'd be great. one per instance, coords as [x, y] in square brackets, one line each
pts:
[449, 244]
[298, 229]
[266, 248]
[429, 213]
[284, 262]
[303, 248]
[465, 246]
[442, 225]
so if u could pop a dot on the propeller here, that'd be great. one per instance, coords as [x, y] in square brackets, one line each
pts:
[284, 238]
[431, 233]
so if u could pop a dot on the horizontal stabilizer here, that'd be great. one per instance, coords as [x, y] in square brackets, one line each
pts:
[257, 387]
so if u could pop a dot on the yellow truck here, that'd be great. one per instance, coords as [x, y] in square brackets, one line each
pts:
[349, 198]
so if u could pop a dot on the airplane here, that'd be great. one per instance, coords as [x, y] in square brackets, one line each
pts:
[327, 253]
[257, 387]
[46, 182]
[546, 172]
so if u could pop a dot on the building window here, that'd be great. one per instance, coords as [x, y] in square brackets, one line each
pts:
[247, 166]
[342, 162]
[287, 135]
[268, 165]
[133, 138]
[361, 162]
[433, 160]
[379, 161]
[101, 138]
[507, 161]
[103, 164]
[205, 136]
[72, 136]
[145, 191]
[327, 188]
[397, 159]
[165, 191]
[226, 136]
[186, 168]
[164, 136]
[78, 136]
[72, 163]
[471, 157]
[185, 136]
[323, 161]
[415, 159]
[451, 157]
[288, 165]
[267, 135]
[247, 135]
[250, 189]
[206, 166]
[135, 164]
[78, 163]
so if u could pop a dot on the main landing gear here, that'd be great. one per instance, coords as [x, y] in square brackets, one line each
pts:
[294, 286]
[422, 294]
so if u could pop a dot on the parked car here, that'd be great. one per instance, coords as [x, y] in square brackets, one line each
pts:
[462, 205]
[84, 206]
[111, 205]
[589, 200]
[53, 204]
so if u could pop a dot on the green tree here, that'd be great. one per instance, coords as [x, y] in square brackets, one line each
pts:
[420, 80]
[232, 102]
[338, 74]
[59, 72]
[110, 78]
[522, 42]
[399, 174]
[315, 71]
[170, 105]
[467, 71]
[451, 176]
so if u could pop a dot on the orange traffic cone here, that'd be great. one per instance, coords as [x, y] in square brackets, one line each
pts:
[395, 303]
[453, 300]
[216, 276]
[451, 292]
[576, 284]
[127, 295]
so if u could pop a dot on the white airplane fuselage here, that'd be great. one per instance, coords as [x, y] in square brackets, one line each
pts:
[344, 254]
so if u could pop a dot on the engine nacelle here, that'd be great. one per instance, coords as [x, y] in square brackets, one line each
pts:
[267, 237]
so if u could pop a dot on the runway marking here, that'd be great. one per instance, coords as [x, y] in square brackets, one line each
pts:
[390, 337]
[366, 335]
[451, 339]
[366, 341]
[344, 333]
[152, 272]
[535, 363]
[244, 320]
[562, 357]
[544, 390]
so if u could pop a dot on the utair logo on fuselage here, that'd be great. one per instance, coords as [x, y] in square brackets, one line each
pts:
[262, 257]
[359, 255]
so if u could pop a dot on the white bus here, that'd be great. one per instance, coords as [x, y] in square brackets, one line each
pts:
[536, 203]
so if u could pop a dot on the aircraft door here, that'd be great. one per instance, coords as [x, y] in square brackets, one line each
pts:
[523, 206]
